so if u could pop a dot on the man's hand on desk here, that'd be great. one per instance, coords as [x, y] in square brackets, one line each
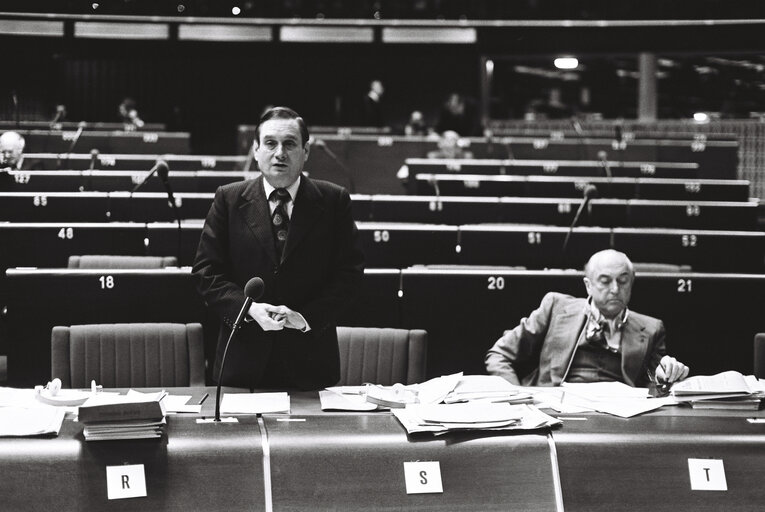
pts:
[671, 370]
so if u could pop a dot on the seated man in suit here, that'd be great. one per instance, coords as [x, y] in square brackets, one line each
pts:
[298, 235]
[587, 340]
[11, 151]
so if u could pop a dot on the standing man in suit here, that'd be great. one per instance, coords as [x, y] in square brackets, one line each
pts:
[298, 235]
[587, 340]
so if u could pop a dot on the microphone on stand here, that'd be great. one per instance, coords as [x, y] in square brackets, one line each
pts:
[16, 118]
[603, 156]
[253, 291]
[590, 192]
[75, 139]
[163, 172]
[161, 164]
[348, 174]
[60, 111]
[94, 161]
[88, 185]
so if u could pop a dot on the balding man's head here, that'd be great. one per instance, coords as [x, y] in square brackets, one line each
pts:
[608, 279]
[11, 149]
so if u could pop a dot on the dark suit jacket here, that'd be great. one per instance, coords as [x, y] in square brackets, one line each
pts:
[317, 276]
[539, 351]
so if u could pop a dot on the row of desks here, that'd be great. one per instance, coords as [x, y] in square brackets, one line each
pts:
[424, 184]
[152, 206]
[116, 141]
[309, 460]
[402, 245]
[464, 310]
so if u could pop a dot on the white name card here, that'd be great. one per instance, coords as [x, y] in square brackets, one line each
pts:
[707, 475]
[125, 482]
[423, 477]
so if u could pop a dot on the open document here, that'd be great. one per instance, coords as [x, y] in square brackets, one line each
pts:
[21, 414]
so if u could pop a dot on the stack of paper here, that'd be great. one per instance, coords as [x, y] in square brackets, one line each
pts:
[132, 416]
[21, 414]
[726, 390]
[615, 398]
[487, 388]
[443, 418]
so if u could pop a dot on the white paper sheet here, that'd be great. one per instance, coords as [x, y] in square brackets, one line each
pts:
[255, 403]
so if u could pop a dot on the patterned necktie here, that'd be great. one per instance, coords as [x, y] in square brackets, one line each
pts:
[280, 220]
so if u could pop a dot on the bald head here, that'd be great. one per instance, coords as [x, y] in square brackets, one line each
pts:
[11, 149]
[608, 279]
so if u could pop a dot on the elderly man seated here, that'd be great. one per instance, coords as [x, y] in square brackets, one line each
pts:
[11, 151]
[587, 340]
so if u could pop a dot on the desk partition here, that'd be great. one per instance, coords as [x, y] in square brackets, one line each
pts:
[608, 463]
[195, 467]
[356, 462]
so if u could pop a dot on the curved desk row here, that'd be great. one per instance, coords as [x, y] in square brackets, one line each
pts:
[310, 460]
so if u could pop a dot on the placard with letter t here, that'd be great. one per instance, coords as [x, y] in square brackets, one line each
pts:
[707, 475]
[423, 477]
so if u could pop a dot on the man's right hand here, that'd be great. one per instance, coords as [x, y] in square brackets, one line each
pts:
[266, 316]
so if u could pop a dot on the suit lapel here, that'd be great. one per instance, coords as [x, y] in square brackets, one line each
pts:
[256, 213]
[305, 213]
[634, 347]
[567, 329]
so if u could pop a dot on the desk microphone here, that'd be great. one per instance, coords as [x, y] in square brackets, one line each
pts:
[161, 164]
[163, 172]
[348, 174]
[75, 139]
[253, 291]
[603, 157]
[590, 192]
[94, 161]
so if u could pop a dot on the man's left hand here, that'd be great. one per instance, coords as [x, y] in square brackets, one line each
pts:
[292, 319]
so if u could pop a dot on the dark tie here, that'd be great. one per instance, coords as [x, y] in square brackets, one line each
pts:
[280, 220]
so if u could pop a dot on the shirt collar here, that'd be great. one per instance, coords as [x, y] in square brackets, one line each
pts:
[614, 323]
[292, 189]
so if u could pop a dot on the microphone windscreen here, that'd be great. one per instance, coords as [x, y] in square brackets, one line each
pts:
[602, 155]
[254, 288]
[93, 153]
[162, 169]
[590, 191]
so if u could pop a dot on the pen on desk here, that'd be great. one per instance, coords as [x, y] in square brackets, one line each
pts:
[202, 400]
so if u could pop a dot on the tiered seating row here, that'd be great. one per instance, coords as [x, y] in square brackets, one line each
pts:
[487, 167]
[129, 162]
[149, 206]
[570, 186]
[464, 311]
[401, 245]
[57, 141]
[426, 184]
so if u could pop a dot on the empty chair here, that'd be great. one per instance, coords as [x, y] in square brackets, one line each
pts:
[381, 356]
[759, 355]
[128, 355]
[125, 262]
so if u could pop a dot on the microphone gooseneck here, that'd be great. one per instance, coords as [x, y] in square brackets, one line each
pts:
[589, 192]
[160, 164]
[331, 154]
[253, 291]
[163, 172]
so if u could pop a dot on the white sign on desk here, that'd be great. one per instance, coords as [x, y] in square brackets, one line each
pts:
[423, 477]
[707, 475]
[125, 482]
